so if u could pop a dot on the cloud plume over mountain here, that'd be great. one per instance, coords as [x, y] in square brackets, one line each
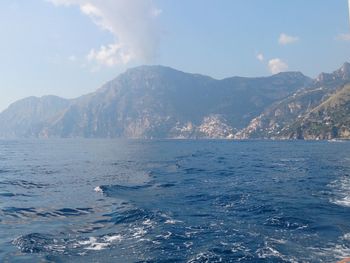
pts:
[131, 22]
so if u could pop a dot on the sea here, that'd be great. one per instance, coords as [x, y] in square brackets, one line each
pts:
[101, 200]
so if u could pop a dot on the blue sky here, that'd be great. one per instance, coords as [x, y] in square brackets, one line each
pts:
[71, 47]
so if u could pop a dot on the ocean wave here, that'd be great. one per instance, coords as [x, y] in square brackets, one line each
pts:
[345, 201]
[45, 243]
[128, 215]
[24, 184]
[341, 191]
[36, 243]
[290, 223]
[206, 256]
[272, 252]
[93, 244]
[116, 189]
[32, 213]
[331, 253]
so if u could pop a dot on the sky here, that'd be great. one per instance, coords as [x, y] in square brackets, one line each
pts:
[71, 47]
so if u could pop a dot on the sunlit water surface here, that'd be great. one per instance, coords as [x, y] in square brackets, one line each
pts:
[174, 201]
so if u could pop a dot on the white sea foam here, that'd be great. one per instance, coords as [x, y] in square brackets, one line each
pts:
[148, 222]
[346, 237]
[114, 238]
[343, 202]
[278, 241]
[188, 244]
[238, 246]
[172, 221]
[341, 189]
[269, 251]
[205, 257]
[97, 246]
[167, 235]
[57, 248]
[139, 232]
[98, 189]
[94, 243]
[85, 242]
[339, 251]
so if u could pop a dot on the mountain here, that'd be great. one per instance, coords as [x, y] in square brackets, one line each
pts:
[287, 118]
[329, 120]
[153, 102]
[161, 102]
[25, 118]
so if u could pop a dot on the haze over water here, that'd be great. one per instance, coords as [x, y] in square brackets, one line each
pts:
[174, 201]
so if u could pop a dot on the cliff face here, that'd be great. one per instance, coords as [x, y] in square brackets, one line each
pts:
[156, 102]
[295, 117]
[25, 118]
[329, 120]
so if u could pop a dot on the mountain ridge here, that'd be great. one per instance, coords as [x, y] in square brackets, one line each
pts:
[161, 102]
[276, 119]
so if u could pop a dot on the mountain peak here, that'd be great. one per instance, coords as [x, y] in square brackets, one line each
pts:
[345, 69]
[150, 68]
[346, 65]
[159, 71]
[291, 74]
[343, 73]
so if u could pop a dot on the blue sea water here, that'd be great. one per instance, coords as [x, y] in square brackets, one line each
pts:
[174, 201]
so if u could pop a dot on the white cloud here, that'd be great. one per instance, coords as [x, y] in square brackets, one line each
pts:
[131, 22]
[285, 39]
[260, 57]
[344, 37]
[110, 55]
[276, 65]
